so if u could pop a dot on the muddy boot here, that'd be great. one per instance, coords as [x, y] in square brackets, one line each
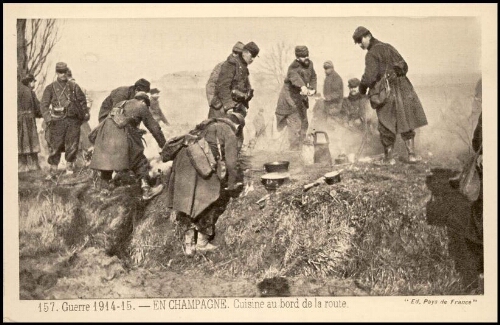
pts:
[412, 156]
[388, 159]
[149, 192]
[190, 242]
[70, 168]
[52, 173]
[203, 244]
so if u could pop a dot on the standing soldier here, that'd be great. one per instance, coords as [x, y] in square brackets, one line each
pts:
[121, 94]
[402, 112]
[293, 102]
[155, 107]
[232, 89]
[333, 91]
[64, 108]
[214, 76]
[28, 108]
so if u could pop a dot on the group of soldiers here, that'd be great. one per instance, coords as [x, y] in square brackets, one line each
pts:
[200, 199]
[400, 113]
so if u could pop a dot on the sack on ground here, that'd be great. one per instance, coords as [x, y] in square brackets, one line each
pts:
[470, 183]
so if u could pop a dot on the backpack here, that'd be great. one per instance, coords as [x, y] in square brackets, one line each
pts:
[198, 149]
[212, 81]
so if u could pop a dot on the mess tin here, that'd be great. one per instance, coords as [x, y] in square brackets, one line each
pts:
[329, 178]
[272, 181]
[277, 166]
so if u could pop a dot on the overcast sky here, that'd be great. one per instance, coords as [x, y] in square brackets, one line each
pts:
[107, 53]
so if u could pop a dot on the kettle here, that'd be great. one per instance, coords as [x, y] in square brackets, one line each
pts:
[321, 145]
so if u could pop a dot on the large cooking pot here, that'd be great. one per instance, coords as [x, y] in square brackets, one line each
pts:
[272, 181]
[277, 166]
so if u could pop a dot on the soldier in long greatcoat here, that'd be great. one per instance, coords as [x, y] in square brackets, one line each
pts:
[119, 148]
[28, 108]
[199, 201]
[121, 94]
[402, 113]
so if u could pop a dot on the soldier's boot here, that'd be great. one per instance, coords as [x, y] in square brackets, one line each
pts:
[202, 244]
[52, 173]
[410, 147]
[149, 192]
[70, 167]
[388, 156]
[455, 181]
[190, 242]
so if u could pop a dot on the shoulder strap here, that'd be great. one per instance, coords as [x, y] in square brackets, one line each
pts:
[226, 121]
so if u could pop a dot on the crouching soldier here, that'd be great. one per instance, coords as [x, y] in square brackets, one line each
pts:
[118, 142]
[356, 108]
[198, 200]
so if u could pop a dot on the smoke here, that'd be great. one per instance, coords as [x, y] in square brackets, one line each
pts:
[446, 139]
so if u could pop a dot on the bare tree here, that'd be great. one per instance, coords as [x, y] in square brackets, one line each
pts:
[36, 39]
[275, 64]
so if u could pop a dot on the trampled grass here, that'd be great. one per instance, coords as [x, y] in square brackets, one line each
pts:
[371, 229]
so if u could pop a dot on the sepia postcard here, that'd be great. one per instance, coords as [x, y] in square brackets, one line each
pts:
[250, 162]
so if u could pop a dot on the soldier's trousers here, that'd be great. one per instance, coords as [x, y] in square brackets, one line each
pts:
[63, 136]
[205, 221]
[297, 127]
[388, 138]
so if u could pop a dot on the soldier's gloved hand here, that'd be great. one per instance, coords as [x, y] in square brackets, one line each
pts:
[304, 90]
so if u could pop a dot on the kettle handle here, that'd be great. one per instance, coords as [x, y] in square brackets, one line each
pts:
[322, 132]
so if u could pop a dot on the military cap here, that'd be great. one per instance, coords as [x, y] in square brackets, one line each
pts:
[353, 83]
[301, 51]
[359, 33]
[238, 47]
[143, 84]
[328, 65]
[61, 67]
[143, 95]
[29, 78]
[252, 48]
[154, 91]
